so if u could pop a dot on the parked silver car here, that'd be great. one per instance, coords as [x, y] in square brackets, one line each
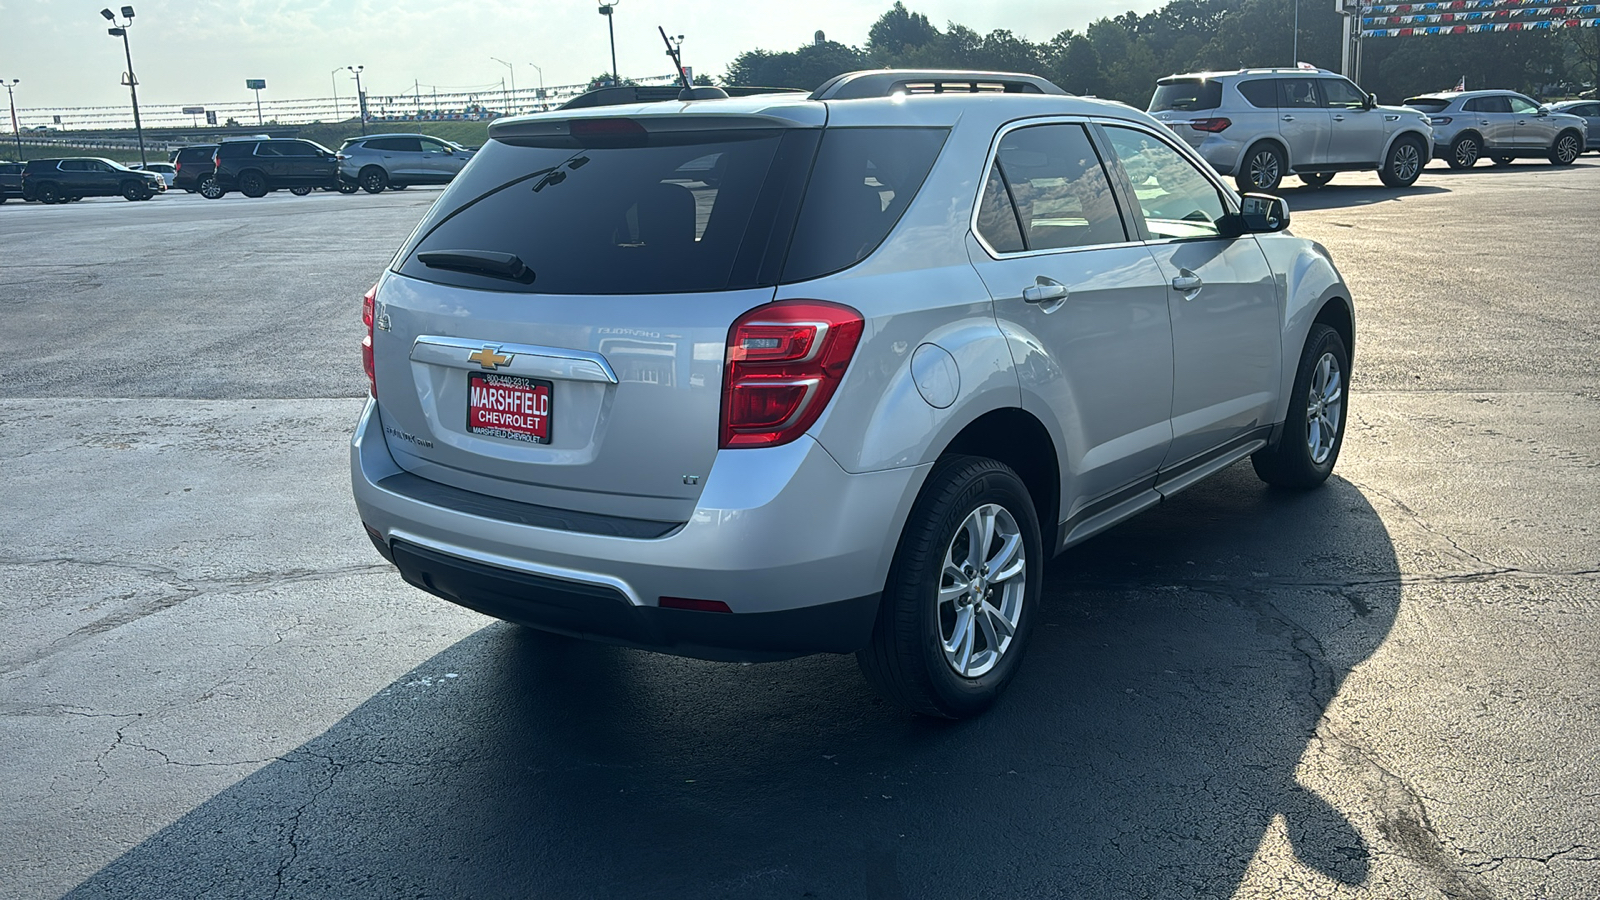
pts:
[380, 161]
[1261, 125]
[760, 377]
[1588, 111]
[1500, 125]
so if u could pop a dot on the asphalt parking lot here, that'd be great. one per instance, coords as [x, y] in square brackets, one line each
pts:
[211, 686]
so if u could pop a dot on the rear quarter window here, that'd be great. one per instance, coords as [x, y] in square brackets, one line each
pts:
[1186, 94]
[1261, 93]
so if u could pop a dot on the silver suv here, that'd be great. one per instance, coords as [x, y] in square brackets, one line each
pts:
[1261, 125]
[761, 377]
[380, 161]
[1502, 125]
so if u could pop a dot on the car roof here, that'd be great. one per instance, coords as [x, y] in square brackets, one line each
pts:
[415, 134]
[1280, 70]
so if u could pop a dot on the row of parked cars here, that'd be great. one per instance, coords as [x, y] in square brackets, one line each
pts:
[1262, 125]
[253, 167]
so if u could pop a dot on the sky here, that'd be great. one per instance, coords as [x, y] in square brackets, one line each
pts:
[201, 51]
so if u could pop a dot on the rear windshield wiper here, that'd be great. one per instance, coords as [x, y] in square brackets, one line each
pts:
[479, 262]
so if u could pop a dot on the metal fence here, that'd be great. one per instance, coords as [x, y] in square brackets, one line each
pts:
[419, 105]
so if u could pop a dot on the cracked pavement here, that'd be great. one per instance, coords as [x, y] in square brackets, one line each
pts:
[210, 686]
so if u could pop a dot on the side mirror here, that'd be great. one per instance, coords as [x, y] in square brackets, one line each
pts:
[1543, 111]
[1258, 214]
[1372, 101]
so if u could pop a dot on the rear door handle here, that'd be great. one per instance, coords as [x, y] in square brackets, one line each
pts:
[1338, 118]
[1044, 292]
[1288, 118]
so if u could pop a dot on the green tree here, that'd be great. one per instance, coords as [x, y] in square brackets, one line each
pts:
[896, 31]
[805, 68]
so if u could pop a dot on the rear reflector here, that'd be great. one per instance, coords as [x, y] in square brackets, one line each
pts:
[696, 605]
[1211, 126]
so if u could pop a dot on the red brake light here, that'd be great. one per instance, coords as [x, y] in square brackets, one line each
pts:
[1211, 126]
[784, 361]
[177, 167]
[368, 310]
[605, 128]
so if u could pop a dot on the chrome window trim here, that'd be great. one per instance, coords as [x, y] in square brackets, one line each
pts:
[988, 165]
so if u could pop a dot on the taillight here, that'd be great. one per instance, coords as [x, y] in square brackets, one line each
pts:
[784, 361]
[1210, 126]
[177, 167]
[1439, 120]
[368, 308]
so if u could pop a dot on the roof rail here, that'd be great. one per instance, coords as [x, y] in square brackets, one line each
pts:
[884, 82]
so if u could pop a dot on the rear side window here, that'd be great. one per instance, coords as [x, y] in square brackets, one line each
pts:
[395, 145]
[1262, 93]
[1427, 104]
[232, 150]
[863, 180]
[1186, 94]
[706, 211]
[1058, 190]
[1297, 93]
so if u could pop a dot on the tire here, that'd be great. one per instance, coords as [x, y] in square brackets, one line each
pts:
[1402, 165]
[1566, 149]
[373, 180]
[1263, 169]
[252, 184]
[1501, 160]
[1306, 450]
[347, 188]
[48, 193]
[210, 188]
[924, 653]
[1464, 152]
[300, 191]
[133, 190]
[398, 187]
[1314, 180]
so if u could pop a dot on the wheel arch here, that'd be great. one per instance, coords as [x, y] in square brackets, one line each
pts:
[1424, 143]
[1283, 148]
[1017, 438]
[1582, 142]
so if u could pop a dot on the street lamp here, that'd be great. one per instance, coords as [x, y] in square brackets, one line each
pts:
[606, 6]
[513, 81]
[361, 97]
[121, 31]
[335, 82]
[541, 85]
[16, 132]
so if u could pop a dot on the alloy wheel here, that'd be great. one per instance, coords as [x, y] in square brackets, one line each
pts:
[1466, 152]
[1407, 162]
[1264, 171]
[1324, 406]
[981, 589]
[1566, 149]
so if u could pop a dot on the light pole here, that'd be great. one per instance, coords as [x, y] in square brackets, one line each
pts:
[335, 82]
[121, 31]
[513, 72]
[16, 132]
[361, 97]
[541, 85]
[606, 6]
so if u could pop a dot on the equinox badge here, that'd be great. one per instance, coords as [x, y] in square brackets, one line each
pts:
[490, 357]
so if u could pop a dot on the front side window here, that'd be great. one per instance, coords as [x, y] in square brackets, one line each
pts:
[1176, 200]
[296, 149]
[1341, 94]
[1297, 93]
[1522, 105]
[1060, 196]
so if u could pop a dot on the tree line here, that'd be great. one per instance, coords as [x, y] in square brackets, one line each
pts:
[1120, 57]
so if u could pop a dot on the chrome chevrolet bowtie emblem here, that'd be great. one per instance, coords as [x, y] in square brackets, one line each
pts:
[490, 357]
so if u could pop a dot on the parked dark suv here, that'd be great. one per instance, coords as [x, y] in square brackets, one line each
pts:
[194, 165]
[10, 181]
[59, 180]
[254, 168]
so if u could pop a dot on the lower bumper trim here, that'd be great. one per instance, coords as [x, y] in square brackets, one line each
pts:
[602, 613]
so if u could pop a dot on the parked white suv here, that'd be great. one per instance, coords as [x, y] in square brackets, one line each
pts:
[760, 377]
[1261, 125]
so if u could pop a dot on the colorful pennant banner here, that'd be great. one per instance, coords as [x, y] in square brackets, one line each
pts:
[1545, 25]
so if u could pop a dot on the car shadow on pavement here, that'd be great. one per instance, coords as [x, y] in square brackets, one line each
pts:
[1177, 677]
[1528, 166]
[1336, 195]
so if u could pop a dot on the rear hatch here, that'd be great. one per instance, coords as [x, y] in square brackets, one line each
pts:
[1180, 100]
[554, 332]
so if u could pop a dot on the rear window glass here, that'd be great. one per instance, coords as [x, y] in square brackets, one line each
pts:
[1187, 94]
[1427, 104]
[709, 211]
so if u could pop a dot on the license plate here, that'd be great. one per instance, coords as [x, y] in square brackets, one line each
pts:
[509, 406]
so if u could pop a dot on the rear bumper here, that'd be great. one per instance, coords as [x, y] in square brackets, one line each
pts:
[797, 548]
